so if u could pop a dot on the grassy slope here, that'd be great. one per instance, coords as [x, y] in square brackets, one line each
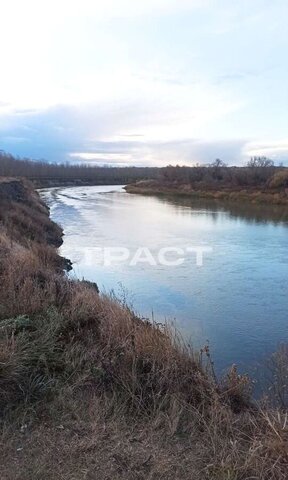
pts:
[88, 390]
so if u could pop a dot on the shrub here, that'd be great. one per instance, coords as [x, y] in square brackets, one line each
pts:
[279, 179]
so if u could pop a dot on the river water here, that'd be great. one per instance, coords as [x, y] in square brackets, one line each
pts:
[237, 299]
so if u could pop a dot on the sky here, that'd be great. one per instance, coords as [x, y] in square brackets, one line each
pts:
[150, 82]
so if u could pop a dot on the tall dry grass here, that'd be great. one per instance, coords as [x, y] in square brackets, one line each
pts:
[81, 363]
[85, 348]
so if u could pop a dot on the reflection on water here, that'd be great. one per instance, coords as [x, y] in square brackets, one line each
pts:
[252, 213]
[237, 300]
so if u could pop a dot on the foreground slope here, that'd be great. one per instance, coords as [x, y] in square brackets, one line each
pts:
[90, 391]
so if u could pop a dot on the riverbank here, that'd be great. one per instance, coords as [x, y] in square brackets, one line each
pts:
[254, 195]
[89, 390]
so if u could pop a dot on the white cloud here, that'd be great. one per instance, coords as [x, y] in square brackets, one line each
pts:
[160, 72]
[55, 9]
[274, 150]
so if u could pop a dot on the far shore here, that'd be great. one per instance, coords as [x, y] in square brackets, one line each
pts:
[252, 195]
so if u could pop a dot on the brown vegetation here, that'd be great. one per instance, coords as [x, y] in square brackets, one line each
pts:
[259, 182]
[44, 174]
[90, 391]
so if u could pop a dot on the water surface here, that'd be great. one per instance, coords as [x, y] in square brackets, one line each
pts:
[237, 300]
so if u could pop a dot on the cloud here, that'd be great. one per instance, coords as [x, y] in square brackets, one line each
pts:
[95, 135]
[182, 152]
[99, 9]
[105, 134]
[164, 81]
[277, 151]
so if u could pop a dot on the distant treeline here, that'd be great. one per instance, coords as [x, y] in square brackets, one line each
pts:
[43, 172]
[259, 172]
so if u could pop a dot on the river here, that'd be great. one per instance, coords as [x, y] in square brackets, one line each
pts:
[237, 299]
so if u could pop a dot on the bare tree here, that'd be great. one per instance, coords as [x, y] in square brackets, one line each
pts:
[260, 162]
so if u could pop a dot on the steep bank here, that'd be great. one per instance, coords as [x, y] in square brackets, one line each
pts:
[88, 390]
[24, 216]
[269, 195]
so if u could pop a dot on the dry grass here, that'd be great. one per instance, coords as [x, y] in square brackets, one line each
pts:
[278, 367]
[233, 194]
[88, 390]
